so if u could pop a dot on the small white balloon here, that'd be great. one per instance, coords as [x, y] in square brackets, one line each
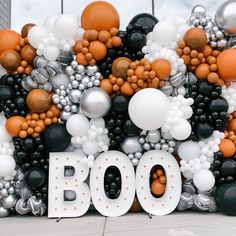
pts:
[148, 109]
[77, 125]
[99, 122]
[187, 174]
[51, 53]
[90, 147]
[182, 130]
[204, 180]
[7, 165]
[189, 151]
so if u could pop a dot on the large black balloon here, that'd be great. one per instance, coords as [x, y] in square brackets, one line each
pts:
[226, 198]
[56, 138]
[35, 178]
[146, 20]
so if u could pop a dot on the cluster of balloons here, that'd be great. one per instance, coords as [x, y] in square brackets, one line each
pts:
[166, 85]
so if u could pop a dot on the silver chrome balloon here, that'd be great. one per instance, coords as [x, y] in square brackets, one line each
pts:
[225, 17]
[95, 103]
[131, 145]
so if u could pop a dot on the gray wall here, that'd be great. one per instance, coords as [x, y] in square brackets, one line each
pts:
[5, 18]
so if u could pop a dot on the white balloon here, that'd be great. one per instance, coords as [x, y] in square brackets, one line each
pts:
[204, 180]
[66, 26]
[4, 136]
[36, 35]
[164, 32]
[187, 112]
[98, 122]
[187, 174]
[182, 130]
[51, 53]
[77, 125]
[189, 151]
[90, 147]
[7, 165]
[49, 23]
[148, 108]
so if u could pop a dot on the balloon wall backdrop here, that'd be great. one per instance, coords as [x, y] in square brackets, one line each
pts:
[136, 120]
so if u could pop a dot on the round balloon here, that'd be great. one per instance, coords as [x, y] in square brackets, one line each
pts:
[77, 125]
[10, 60]
[225, 17]
[7, 165]
[148, 108]
[100, 15]
[189, 150]
[95, 103]
[56, 138]
[9, 39]
[35, 178]
[204, 180]
[146, 20]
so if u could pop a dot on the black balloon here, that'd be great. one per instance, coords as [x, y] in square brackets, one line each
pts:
[228, 168]
[5, 93]
[219, 105]
[112, 182]
[204, 130]
[226, 198]
[136, 40]
[56, 138]
[146, 20]
[35, 178]
[120, 102]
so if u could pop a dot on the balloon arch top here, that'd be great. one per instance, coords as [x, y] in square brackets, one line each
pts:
[148, 114]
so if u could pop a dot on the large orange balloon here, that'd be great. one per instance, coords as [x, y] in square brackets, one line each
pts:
[9, 39]
[226, 62]
[28, 53]
[100, 16]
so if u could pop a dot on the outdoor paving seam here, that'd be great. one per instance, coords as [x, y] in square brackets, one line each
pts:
[170, 227]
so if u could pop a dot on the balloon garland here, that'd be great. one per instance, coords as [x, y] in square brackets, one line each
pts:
[160, 95]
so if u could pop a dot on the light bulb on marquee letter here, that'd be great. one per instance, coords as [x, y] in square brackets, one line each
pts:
[58, 183]
[169, 201]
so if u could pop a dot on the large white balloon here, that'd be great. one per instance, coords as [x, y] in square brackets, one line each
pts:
[189, 151]
[49, 23]
[7, 165]
[66, 26]
[164, 32]
[182, 130]
[36, 35]
[77, 125]
[204, 180]
[148, 108]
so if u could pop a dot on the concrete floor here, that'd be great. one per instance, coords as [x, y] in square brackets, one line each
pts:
[93, 224]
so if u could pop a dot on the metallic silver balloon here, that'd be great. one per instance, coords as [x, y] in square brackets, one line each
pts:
[131, 145]
[3, 212]
[225, 17]
[95, 103]
[153, 136]
[65, 115]
[9, 202]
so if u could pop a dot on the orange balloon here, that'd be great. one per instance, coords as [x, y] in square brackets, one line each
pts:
[157, 188]
[38, 100]
[9, 39]
[162, 68]
[98, 50]
[120, 67]
[232, 125]
[28, 53]
[13, 125]
[10, 60]
[25, 29]
[227, 147]
[226, 62]
[106, 85]
[202, 71]
[100, 16]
